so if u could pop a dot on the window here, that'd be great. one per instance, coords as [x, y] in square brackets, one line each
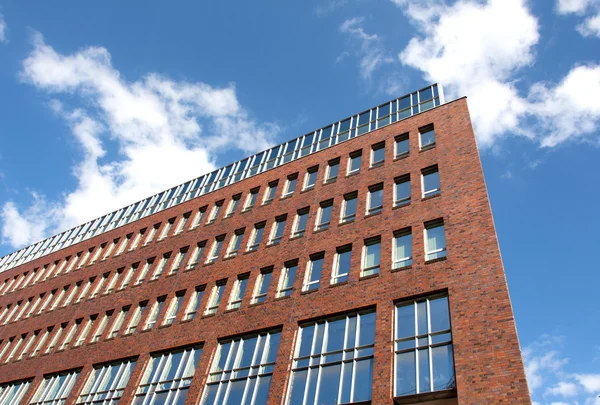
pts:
[25, 351]
[128, 276]
[179, 260]
[192, 308]
[15, 346]
[426, 137]
[290, 185]
[137, 239]
[83, 260]
[182, 222]
[324, 216]
[113, 281]
[377, 154]
[236, 242]
[402, 190]
[116, 327]
[401, 146]
[144, 272]
[402, 248]
[162, 264]
[423, 347]
[371, 256]
[333, 361]
[314, 270]
[277, 230]
[239, 288]
[154, 313]
[40, 342]
[216, 249]
[151, 234]
[311, 178]
[106, 384]
[354, 162]
[13, 392]
[198, 217]
[101, 326]
[196, 255]
[271, 191]
[375, 199]
[54, 341]
[300, 222]
[349, 207]
[123, 244]
[251, 199]
[214, 213]
[435, 240]
[137, 316]
[233, 204]
[333, 168]
[85, 290]
[71, 334]
[215, 298]
[54, 389]
[166, 229]
[174, 308]
[288, 276]
[262, 285]
[243, 368]
[86, 329]
[341, 264]
[256, 237]
[168, 377]
[430, 178]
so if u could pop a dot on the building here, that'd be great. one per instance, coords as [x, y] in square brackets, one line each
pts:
[355, 264]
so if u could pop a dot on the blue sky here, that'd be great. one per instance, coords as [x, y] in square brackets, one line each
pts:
[102, 104]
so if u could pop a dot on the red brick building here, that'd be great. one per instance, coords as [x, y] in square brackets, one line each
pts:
[355, 264]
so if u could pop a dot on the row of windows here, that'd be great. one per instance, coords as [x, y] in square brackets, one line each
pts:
[332, 363]
[435, 248]
[312, 142]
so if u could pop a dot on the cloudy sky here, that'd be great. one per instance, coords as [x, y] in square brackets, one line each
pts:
[101, 105]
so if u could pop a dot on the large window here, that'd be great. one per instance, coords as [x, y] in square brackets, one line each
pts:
[435, 240]
[55, 389]
[168, 377]
[13, 392]
[242, 369]
[106, 384]
[423, 347]
[333, 361]
[236, 242]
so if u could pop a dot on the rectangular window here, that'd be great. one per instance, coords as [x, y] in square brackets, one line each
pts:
[192, 307]
[423, 347]
[46, 301]
[290, 185]
[239, 289]
[167, 228]
[85, 290]
[174, 308]
[288, 276]
[54, 389]
[215, 297]
[257, 234]
[430, 181]
[310, 179]
[233, 204]
[106, 383]
[377, 154]
[74, 260]
[243, 368]
[236, 242]
[262, 285]
[55, 339]
[128, 276]
[13, 392]
[300, 222]
[123, 244]
[314, 271]
[333, 361]
[333, 169]
[179, 260]
[375, 199]
[155, 312]
[341, 264]
[371, 256]
[84, 259]
[71, 334]
[161, 266]
[151, 234]
[402, 190]
[101, 326]
[118, 323]
[354, 162]
[426, 137]
[214, 213]
[137, 239]
[349, 207]
[109, 249]
[136, 318]
[16, 344]
[145, 270]
[24, 352]
[251, 199]
[324, 215]
[168, 377]
[86, 330]
[40, 343]
[182, 222]
[113, 281]
[271, 192]
[216, 249]
[435, 240]
[277, 230]
[402, 248]
[401, 146]
[198, 217]
[196, 255]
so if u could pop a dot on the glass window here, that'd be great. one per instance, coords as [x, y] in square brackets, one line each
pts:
[149, 239]
[402, 248]
[134, 244]
[239, 289]
[196, 255]
[215, 298]
[377, 154]
[277, 231]
[349, 207]
[371, 256]
[174, 308]
[423, 347]
[216, 249]
[300, 223]
[251, 198]
[426, 137]
[54, 389]
[435, 240]
[13, 392]
[144, 271]
[233, 204]
[341, 264]
[430, 181]
[375, 199]
[242, 369]
[291, 185]
[314, 270]
[311, 177]
[164, 233]
[402, 146]
[402, 190]
[162, 264]
[214, 213]
[182, 222]
[333, 168]
[168, 377]
[324, 217]
[198, 217]
[236, 242]
[101, 327]
[179, 260]
[257, 235]
[155, 313]
[288, 276]
[262, 285]
[106, 384]
[116, 327]
[137, 316]
[354, 162]
[333, 361]
[192, 308]
[271, 191]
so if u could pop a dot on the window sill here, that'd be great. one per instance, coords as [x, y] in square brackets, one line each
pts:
[256, 304]
[270, 245]
[165, 326]
[154, 280]
[284, 297]
[427, 147]
[230, 310]
[376, 165]
[267, 202]
[330, 181]
[353, 173]
[403, 268]
[285, 197]
[400, 157]
[209, 264]
[208, 315]
[338, 284]
[439, 259]
[426, 397]
[186, 321]
[430, 197]
[173, 273]
[309, 291]
[246, 210]
[230, 257]
[191, 268]
[370, 276]
[296, 237]
[320, 230]
[306, 190]
[404, 204]
[374, 214]
[248, 252]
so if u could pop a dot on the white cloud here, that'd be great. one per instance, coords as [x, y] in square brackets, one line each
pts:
[572, 6]
[2, 29]
[329, 6]
[370, 51]
[589, 8]
[165, 132]
[563, 389]
[590, 382]
[590, 26]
